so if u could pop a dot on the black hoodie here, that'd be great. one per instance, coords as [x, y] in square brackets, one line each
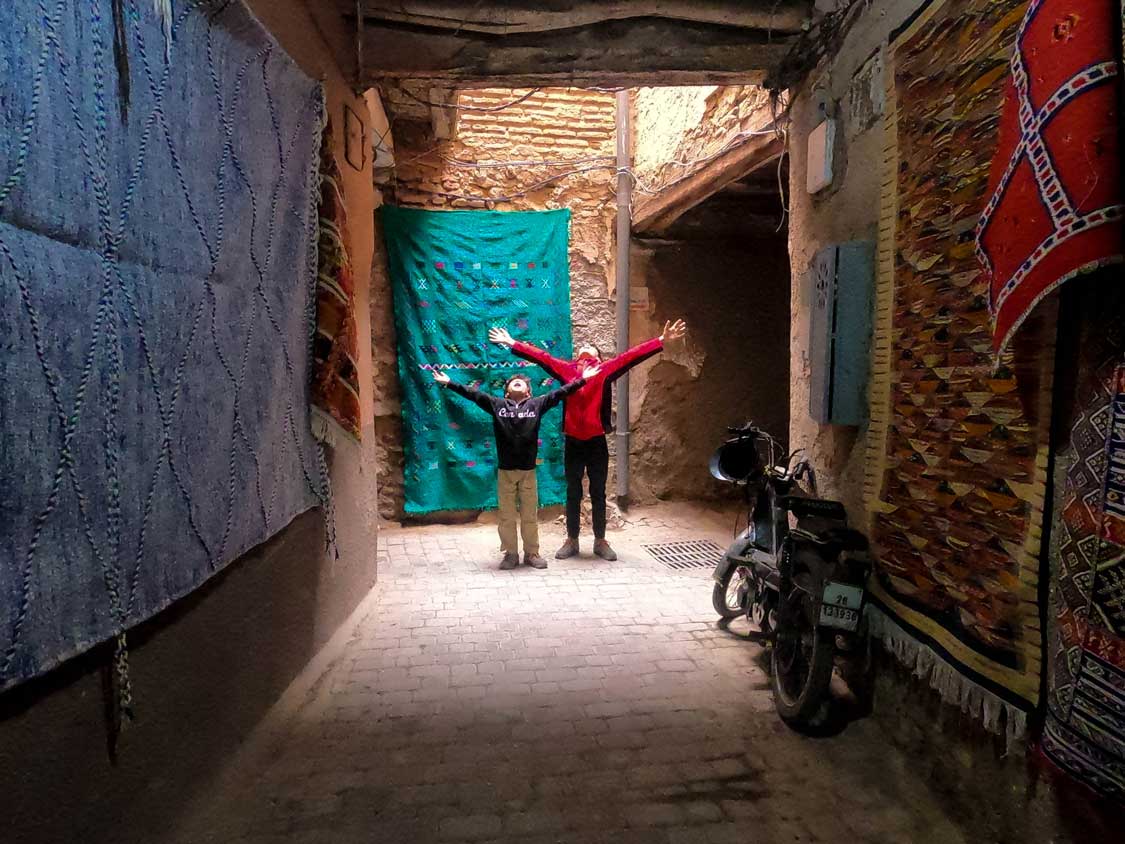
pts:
[516, 423]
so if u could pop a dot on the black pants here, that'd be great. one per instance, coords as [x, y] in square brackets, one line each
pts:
[590, 457]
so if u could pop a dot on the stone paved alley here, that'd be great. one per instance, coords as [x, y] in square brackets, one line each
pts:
[591, 702]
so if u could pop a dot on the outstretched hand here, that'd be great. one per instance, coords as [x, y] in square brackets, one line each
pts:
[589, 372]
[500, 336]
[439, 376]
[673, 330]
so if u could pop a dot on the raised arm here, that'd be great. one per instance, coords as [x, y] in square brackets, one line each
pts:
[561, 369]
[482, 400]
[628, 359]
[555, 396]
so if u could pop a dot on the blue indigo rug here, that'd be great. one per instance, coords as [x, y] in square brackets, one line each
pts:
[157, 264]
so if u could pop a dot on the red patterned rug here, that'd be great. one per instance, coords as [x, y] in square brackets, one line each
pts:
[1055, 207]
[335, 378]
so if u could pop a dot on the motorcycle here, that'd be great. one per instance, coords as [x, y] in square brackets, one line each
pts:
[797, 571]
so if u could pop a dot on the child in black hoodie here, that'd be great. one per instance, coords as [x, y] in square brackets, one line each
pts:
[515, 420]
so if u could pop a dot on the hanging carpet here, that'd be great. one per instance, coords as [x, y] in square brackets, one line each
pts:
[957, 452]
[455, 274]
[156, 293]
[1055, 196]
[1085, 728]
[335, 384]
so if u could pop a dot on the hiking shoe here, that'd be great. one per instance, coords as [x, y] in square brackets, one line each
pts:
[535, 561]
[510, 561]
[603, 550]
[568, 549]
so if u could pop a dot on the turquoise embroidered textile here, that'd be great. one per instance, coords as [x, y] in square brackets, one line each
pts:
[455, 274]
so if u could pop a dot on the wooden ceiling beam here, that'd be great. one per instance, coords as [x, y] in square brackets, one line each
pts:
[780, 17]
[656, 213]
[615, 53]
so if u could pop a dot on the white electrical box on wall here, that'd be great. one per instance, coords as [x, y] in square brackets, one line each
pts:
[821, 141]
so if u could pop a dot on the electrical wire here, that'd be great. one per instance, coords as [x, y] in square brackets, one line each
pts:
[513, 197]
[781, 192]
[734, 142]
[562, 162]
[810, 46]
[637, 182]
[378, 143]
[480, 109]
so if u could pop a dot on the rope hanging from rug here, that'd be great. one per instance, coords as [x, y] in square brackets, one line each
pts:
[119, 694]
[122, 682]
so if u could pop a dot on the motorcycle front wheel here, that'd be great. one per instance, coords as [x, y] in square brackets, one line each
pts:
[730, 595]
[801, 663]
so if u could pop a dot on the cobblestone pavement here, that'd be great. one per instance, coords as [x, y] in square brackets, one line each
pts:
[591, 702]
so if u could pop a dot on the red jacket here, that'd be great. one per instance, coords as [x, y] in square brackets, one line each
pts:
[586, 413]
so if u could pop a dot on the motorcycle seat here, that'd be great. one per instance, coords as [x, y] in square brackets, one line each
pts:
[818, 508]
[832, 533]
[847, 539]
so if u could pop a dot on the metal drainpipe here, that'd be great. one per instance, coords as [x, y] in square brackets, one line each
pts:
[624, 233]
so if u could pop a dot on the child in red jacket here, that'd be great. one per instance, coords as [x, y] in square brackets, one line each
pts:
[586, 420]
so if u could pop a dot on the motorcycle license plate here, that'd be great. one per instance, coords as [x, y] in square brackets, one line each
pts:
[840, 606]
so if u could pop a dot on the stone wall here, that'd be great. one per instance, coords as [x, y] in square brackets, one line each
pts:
[676, 127]
[207, 669]
[733, 365]
[517, 158]
[846, 210]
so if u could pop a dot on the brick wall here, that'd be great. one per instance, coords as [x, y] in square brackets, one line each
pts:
[560, 129]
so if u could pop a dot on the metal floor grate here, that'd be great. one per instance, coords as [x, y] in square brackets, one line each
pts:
[681, 556]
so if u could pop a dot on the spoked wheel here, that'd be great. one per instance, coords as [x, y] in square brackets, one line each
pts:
[731, 596]
[802, 666]
[763, 612]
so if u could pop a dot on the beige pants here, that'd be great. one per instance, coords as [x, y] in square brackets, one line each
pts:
[516, 490]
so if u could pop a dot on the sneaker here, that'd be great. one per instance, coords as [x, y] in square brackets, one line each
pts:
[535, 561]
[568, 549]
[510, 561]
[603, 550]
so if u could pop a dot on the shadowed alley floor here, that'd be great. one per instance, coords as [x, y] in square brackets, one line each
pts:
[591, 702]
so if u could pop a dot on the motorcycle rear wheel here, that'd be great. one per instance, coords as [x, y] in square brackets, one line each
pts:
[730, 597]
[801, 670]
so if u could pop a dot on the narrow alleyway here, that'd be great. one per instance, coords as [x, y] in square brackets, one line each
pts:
[590, 702]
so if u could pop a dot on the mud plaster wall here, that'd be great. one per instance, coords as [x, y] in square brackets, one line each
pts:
[675, 127]
[204, 671]
[733, 365]
[566, 128]
[846, 210]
